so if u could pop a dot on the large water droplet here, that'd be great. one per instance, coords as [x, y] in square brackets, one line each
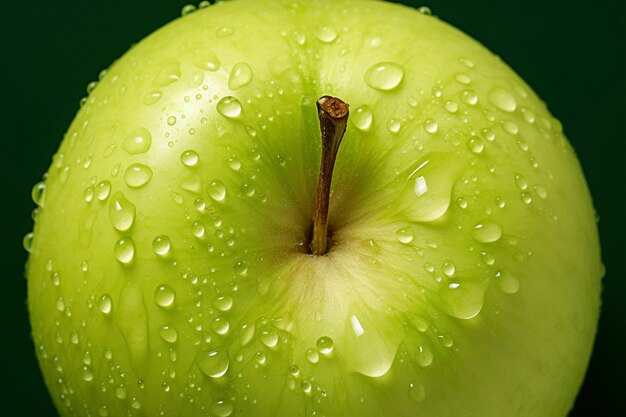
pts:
[38, 193]
[269, 338]
[168, 333]
[214, 363]
[27, 242]
[121, 212]
[105, 304]
[137, 175]
[222, 408]
[384, 76]
[506, 282]
[325, 345]
[103, 189]
[217, 190]
[221, 325]
[502, 99]
[362, 118]
[469, 97]
[161, 245]
[424, 356]
[164, 296]
[487, 232]
[209, 62]
[124, 249]
[137, 142]
[240, 76]
[326, 34]
[462, 300]
[229, 107]
[190, 158]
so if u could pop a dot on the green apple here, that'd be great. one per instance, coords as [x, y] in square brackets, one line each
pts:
[171, 272]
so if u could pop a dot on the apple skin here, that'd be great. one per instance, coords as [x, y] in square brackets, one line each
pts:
[168, 272]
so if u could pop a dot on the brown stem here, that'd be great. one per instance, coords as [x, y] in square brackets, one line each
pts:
[333, 115]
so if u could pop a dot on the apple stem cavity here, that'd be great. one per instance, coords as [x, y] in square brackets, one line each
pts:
[333, 114]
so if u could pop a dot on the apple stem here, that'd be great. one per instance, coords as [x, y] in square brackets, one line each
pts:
[333, 114]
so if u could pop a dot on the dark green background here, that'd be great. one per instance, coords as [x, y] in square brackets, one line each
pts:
[571, 53]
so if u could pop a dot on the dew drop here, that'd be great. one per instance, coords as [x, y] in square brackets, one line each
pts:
[214, 363]
[431, 126]
[326, 34]
[325, 345]
[510, 127]
[168, 74]
[502, 99]
[27, 242]
[137, 142]
[416, 392]
[38, 193]
[86, 373]
[190, 158]
[103, 189]
[223, 302]
[234, 164]
[384, 76]
[105, 304]
[240, 76]
[487, 232]
[210, 62]
[121, 212]
[521, 182]
[224, 31]
[475, 145]
[541, 192]
[451, 106]
[229, 107]
[161, 245]
[187, 9]
[469, 97]
[424, 356]
[217, 190]
[269, 338]
[448, 268]
[419, 187]
[362, 118]
[168, 333]
[312, 356]
[152, 97]
[171, 120]
[462, 300]
[463, 78]
[393, 125]
[137, 175]
[124, 249]
[164, 296]
[220, 325]
[222, 408]
[404, 236]
[506, 282]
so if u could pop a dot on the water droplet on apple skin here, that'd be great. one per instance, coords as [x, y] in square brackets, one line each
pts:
[384, 76]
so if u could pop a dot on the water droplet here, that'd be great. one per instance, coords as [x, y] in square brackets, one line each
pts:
[86, 373]
[269, 338]
[325, 345]
[404, 236]
[121, 212]
[27, 242]
[152, 97]
[541, 192]
[240, 76]
[487, 258]
[224, 31]
[223, 302]
[510, 127]
[217, 190]
[220, 325]
[384, 76]
[521, 182]
[463, 78]
[448, 268]
[210, 62]
[234, 164]
[124, 249]
[506, 282]
[171, 120]
[461, 202]
[312, 356]
[451, 106]
[469, 97]
[500, 202]
[529, 116]
[362, 118]
[425, 10]
[462, 300]
[417, 392]
[190, 158]
[487, 232]
[168, 74]
[222, 408]
[214, 363]
[103, 189]
[526, 198]
[419, 187]
[187, 9]
[467, 62]
[168, 333]
[161, 245]
[326, 34]
[38, 193]
[105, 304]
[229, 107]
[393, 125]
[164, 296]
[502, 99]
[475, 145]
[137, 175]
[431, 126]
[424, 356]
